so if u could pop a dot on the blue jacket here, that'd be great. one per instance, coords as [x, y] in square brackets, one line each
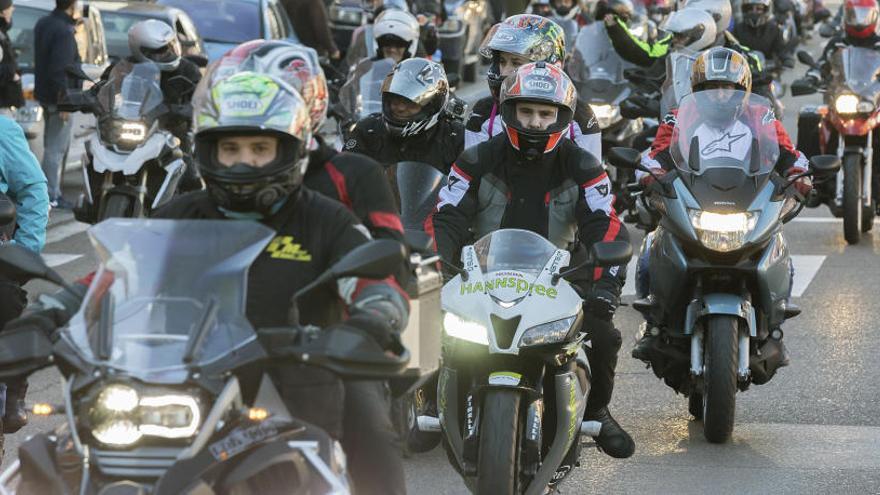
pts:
[54, 49]
[22, 179]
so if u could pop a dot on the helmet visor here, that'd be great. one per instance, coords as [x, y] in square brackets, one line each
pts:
[531, 42]
[861, 17]
[163, 54]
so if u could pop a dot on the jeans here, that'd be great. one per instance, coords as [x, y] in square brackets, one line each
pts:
[56, 141]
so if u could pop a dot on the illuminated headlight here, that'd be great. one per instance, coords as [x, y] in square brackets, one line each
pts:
[471, 331]
[120, 416]
[846, 104]
[133, 132]
[346, 16]
[722, 232]
[547, 333]
[451, 26]
[606, 115]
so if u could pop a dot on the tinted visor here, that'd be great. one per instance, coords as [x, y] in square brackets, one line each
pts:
[861, 17]
[686, 37]
[162, 55]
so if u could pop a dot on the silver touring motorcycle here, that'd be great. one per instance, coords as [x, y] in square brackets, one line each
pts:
[164, 383]
[719, 273]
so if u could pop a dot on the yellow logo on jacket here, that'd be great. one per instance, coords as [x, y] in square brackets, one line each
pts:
[283, 248]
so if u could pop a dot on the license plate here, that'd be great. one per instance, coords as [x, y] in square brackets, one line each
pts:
[240, 439]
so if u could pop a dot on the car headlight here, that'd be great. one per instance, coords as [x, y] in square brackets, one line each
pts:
[133, 132]
[29, 113]
[120, 416]
[846, 104]
[458, 327]
[606, 115]
[547, 333]
[346, 16]
[722, 232]
[450, 26]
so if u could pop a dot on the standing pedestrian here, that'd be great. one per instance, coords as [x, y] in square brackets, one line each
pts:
[54, 50]
[309, 18]
[11, 96]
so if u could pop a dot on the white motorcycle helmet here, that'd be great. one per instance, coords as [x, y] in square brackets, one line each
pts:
[403, 26]
[720, 10]
[690, 28]
[154, 41]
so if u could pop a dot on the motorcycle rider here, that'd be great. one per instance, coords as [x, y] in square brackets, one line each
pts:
[155, 41]
[396, 35]
[516, 41]
[354, 180]
[414, 124]
[531, 178]
[758, 31]
[23, 182]
[718, 68]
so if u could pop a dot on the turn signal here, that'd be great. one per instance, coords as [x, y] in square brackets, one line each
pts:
[41, 409]
[257, 414]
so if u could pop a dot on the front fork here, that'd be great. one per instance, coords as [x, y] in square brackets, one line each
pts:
[742, 367]
[867, 171]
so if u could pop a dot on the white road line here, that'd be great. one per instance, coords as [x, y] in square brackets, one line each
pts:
[63, 231]
[826, 220]
[54, 260]
[805, 269]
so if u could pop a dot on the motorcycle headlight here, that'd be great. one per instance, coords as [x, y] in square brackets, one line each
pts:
[846, 104]
[346, 16]
[722, 232]
[606, 115]
[471, 331]
[120, 416]
[132, 132]
[547, 333]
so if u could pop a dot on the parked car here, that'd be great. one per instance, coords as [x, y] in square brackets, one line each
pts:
[223, 24]
[120, 16]
[92, 50]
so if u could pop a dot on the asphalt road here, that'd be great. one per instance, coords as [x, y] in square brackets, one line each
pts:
[813, 429]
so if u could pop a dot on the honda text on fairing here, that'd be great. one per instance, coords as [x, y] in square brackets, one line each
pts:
[514, 378]
[719, 269]
[851, 111]
[164, 382]
[131, 164]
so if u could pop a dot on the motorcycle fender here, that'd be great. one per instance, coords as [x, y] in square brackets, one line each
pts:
[173, 173]
[107, 160]
[571, 401]
[720, 304]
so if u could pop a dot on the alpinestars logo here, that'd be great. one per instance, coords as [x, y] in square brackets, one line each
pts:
[451, 181]
[722, 144]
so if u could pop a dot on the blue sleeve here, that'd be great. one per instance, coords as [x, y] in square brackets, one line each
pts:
[27, 185]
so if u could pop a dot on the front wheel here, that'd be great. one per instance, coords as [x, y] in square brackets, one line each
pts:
[498, 470]
[719, 377]
[115, 206]
[852, 198]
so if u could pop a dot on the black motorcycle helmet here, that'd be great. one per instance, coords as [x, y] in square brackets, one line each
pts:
[419, 81]
[756, 12]
[251, 104]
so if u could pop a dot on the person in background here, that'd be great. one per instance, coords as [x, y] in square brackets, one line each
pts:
[55, 49]
[23, 183]
[10, 79]
[309, 18]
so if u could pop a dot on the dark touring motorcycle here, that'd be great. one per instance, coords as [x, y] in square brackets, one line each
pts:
[164, 382]
[514, 378]
[852, 110]
[131, 164]
[719, 269]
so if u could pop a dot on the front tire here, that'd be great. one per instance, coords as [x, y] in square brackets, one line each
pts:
[852, 198]
[498, 463]
[115, 206]
[719, 377]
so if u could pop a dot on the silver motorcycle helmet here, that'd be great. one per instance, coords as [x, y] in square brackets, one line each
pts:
[416, 81]
[720, 10]
[693, 29]
[154, 41]
[756, 12]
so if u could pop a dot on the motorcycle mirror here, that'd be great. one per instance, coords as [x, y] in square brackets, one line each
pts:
[822, 165]
[821, 15]
[801, 87]
[22, 264]
[625, 158]
[611, 253]
[826, 30]
[694, 155]
[76, 71]
[806, 59]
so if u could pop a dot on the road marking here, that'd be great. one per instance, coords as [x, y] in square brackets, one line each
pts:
[63, 231]
[826, 220]
[54, 260]
[805, 269]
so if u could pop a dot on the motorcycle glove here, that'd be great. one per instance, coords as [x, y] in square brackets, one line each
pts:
[378, 328]
[46, 320]
[601, 303]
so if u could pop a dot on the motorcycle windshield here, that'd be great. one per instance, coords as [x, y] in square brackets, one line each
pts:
[418, 185]
[857, 69]
[726, 129]
[678, 79]
[512, 259]
[167, 295]
[362, 93]
[595, 68]
[132, 92]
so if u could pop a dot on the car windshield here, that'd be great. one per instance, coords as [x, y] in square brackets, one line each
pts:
[223, 21]
[22, 33]
[116, 26]
[166, 291]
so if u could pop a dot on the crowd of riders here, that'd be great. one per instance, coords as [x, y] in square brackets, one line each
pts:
[528, 155]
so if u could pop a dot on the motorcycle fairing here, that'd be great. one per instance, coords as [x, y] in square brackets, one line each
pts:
[106, 160]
